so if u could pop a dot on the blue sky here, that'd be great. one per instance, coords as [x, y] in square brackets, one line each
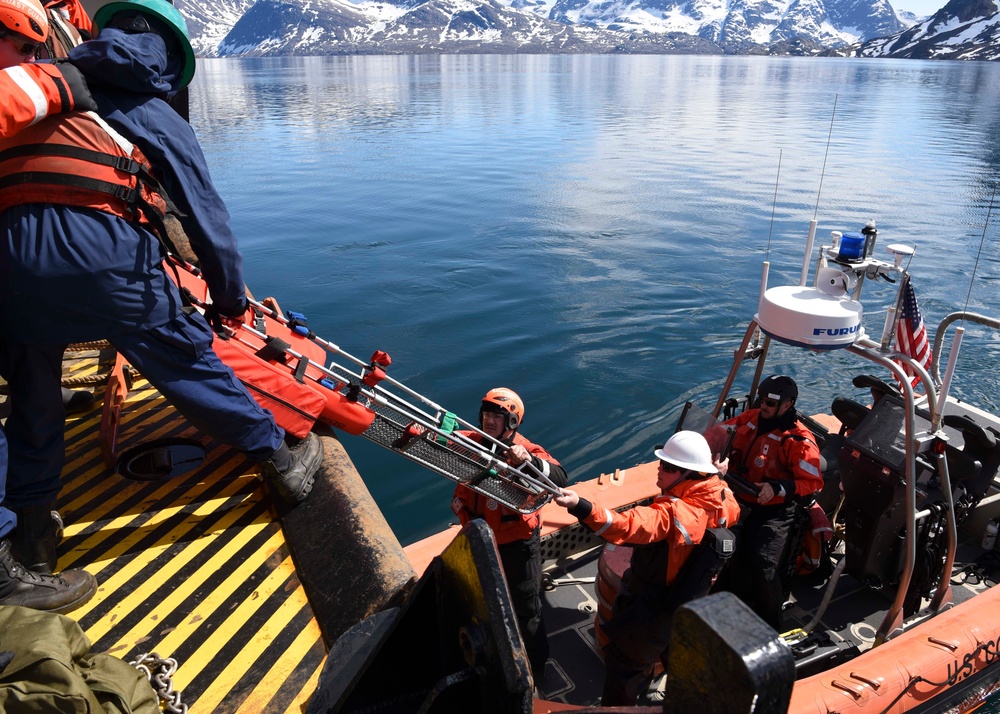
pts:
[920, 7]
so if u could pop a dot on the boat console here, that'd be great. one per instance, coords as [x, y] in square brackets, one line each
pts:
[872, 468]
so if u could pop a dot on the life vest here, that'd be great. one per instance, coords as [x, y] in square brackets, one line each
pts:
[507, 525]
[64, 35]
[658, 563]
[814, 540]
[75, 13]
[761, 457]
[78, 159]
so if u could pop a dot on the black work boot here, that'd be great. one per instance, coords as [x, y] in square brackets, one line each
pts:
[55, 593]
[291, 472]
[76, 400]
[34, 540]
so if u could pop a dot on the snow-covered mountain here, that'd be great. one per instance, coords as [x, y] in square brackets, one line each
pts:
[210, 22]
[962, 29]
[318, 27]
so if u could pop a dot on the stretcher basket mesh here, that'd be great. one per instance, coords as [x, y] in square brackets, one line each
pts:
[452, 460]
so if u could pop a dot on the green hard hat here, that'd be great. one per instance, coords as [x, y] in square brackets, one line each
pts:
[163, 11]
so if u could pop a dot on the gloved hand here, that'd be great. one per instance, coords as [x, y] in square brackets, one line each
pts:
[222, 321]
[234, 311]
[76, 84]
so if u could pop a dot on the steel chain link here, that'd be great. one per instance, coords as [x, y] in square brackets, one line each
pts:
[159, 671]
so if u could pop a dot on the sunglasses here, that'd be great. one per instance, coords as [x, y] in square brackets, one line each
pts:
[769, 403]
[25, 47]
[669, 467]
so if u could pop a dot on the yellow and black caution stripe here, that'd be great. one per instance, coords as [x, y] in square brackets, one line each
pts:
[195, 567]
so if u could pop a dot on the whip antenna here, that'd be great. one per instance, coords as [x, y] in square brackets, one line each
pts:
[774, 204]
[813, 223]
[982, 240]
[825, 155]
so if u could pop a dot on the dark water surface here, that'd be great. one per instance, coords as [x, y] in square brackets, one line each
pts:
[589, 230]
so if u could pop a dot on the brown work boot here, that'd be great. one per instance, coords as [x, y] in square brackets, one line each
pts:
[33, 541]
[55, 593]
[291, 472]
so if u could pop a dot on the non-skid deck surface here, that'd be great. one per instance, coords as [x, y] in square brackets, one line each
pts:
[193, 568]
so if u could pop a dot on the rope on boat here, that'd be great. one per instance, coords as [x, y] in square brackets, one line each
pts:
[85, 346]
[984, 570]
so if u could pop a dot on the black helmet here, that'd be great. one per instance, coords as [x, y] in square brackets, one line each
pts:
[779, 387]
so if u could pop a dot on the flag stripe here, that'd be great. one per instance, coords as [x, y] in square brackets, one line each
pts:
[911, 336]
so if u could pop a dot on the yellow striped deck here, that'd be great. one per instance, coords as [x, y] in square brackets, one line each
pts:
[194, 568]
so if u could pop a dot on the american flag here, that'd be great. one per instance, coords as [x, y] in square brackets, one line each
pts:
[911, 336]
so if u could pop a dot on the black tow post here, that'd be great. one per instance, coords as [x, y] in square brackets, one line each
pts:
[724, 658]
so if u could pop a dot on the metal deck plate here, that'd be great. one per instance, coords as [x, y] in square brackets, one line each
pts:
[195, 568]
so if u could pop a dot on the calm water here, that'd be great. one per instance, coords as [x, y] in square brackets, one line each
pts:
[589, 230]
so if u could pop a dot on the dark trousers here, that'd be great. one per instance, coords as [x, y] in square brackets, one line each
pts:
[638, 636]
[756, 571]
[522, 566]
[176, 358]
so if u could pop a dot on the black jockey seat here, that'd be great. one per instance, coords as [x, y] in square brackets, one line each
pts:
[872, 467]
[975, 465]
[849, 413]
[872, 472]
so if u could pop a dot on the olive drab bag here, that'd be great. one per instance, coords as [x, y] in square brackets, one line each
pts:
[47, 666]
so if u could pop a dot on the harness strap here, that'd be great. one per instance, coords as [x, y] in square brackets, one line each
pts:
[274, 350]
[300, 369]
[122, 163]
[128, 195]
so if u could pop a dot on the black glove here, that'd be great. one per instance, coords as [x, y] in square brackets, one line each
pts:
[76, 85]
[236, 311]
[217, 319]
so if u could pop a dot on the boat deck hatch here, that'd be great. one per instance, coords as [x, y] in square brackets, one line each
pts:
[161, 459]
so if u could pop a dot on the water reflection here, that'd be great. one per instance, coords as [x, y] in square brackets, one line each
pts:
[589, 230]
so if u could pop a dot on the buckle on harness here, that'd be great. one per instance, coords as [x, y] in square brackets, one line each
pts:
[126, 194]
[127, 164]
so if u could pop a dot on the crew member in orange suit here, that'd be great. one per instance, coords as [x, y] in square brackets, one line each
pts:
[692, 499]
[517, 535]
[776, 452]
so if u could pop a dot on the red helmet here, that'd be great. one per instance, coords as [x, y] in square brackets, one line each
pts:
[506, 401]
[25, 18]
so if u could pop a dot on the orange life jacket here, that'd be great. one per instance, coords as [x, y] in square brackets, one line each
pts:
[73, 11]
[776, 455]
[78, 159]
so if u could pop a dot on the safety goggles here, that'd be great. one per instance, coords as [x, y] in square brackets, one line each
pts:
[24, 46]
[133, 23]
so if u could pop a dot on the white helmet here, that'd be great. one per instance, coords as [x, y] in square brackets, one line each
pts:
[687, 450]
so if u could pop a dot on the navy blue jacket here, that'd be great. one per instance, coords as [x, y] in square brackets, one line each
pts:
[71, 274]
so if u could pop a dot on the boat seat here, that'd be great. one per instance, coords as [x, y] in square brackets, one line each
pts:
[982, 446]
[962, 468]
[874, 515]
[849, 413]
[878, 388]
